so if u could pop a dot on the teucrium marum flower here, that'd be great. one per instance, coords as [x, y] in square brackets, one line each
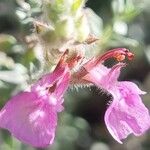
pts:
[126, 114]
[31, 116]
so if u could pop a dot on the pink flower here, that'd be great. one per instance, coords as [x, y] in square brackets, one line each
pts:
[126, 114]
[32, 116]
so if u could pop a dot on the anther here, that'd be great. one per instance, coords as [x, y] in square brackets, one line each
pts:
[130, 55]
[119, 56]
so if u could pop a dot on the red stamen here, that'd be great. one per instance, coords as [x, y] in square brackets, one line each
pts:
[119, 54]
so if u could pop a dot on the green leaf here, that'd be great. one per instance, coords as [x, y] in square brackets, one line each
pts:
[7, 138]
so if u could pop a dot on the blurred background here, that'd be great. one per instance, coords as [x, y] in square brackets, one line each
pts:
[123, 23]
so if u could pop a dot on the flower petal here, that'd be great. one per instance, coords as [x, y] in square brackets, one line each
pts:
[96, 74]
[49, 79]
[103, 77]
[29, 119]
[127, 115]
[52, 86]
[132, 87]
[62, 84]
